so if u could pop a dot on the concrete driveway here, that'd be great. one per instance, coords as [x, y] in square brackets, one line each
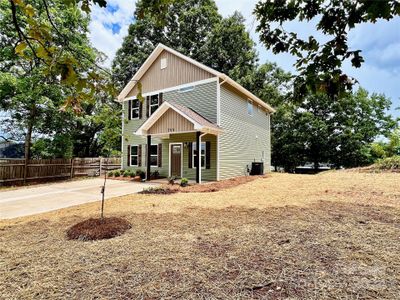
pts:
[37, 199]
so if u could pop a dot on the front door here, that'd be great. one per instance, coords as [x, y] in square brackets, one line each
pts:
[176, 160]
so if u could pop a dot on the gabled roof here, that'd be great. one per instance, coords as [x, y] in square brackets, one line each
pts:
[200, 123]
[224, 78]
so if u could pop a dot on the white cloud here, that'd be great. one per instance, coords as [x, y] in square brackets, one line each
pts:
[379, 42]
[101, 35]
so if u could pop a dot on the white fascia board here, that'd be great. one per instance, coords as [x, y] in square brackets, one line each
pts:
[143, 68]
[249, 94]
[152, 57]
[194, 83]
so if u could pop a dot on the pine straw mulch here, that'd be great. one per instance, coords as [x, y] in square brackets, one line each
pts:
[328, 236]
[98, 229]
[207, 187]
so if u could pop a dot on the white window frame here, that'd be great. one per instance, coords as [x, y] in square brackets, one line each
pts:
[153, 105]
[250, 108]
[194, 148]
[137, 156]
[135, 108]
[156, 155]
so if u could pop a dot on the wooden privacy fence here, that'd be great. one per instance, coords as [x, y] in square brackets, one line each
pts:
[19, 170]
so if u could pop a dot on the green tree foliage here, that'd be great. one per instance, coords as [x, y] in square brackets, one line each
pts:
[319, 63]
[51, 36]
[229, 48]
[32, 95]
[194, 28]
[337, 132]
[388, 148]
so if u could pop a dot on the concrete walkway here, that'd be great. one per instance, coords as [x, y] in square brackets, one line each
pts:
[37, 199]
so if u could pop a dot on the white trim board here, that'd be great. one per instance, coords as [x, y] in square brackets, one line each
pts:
[142, 130]
[226, 79]
[170, 89]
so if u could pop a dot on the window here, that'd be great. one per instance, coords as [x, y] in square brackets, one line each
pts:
[203, 154]
[186, 89]
[134, 156]
[250, 108]
[135, 109]
[154, 155]
[153, 104]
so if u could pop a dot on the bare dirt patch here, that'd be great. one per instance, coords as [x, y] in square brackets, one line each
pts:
[98, 229]
[208, 187]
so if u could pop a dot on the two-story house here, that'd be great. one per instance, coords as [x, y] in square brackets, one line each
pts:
[195, 122]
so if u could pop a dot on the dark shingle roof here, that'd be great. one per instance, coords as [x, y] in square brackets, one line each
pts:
[194, 116]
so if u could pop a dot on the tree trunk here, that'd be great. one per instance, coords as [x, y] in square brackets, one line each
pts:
[27, 148]
[316, 165]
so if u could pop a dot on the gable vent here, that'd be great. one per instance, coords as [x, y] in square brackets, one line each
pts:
[163, 63]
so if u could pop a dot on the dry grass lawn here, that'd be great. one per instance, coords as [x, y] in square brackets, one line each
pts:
[333, 235]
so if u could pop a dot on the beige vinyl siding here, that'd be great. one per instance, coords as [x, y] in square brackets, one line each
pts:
[171, 121]
[177, 72]
[202, 99]
[244, 136]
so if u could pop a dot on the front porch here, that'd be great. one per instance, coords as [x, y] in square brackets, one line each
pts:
[182, 134]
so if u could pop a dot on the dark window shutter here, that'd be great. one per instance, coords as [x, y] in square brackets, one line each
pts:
[140, 109]
[159, 153]
[208, 155]
[160, 99]
[148, 106]
[190, 147]
[129, 156]
[129, 109]
[139, 155]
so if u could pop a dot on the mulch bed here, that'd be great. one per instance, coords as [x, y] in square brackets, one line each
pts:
[202, 188]
[98, 229]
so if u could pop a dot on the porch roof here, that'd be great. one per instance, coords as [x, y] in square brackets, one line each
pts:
[196, 121]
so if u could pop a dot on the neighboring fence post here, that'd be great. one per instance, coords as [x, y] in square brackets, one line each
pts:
[25, 169]
[72, 167]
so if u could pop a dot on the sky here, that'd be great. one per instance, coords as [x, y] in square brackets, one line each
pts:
[380, 43]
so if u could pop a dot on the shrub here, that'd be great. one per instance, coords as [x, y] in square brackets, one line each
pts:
[117, 173]
[141, 173]
[158, 190]
[132, 174]
[110, 174]
[390, 163]
[127, 173]
[184, 182]
[171, 179]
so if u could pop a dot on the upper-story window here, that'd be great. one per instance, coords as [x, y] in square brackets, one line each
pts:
[153, 102]
[135, 106]
[250, 107]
